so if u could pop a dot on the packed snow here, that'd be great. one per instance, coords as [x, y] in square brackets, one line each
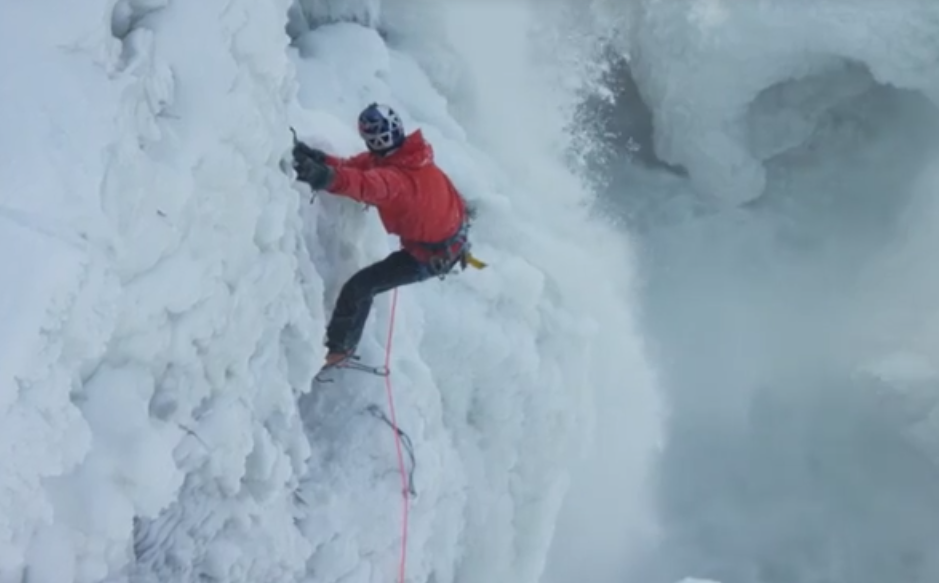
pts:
[168, 284]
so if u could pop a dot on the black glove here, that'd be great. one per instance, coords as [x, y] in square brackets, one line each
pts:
[318, 175]
[303, 152]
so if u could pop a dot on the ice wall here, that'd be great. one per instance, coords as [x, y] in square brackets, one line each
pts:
[173, 283]
[153, 246]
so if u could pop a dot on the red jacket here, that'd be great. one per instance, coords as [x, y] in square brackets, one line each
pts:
[415, 199]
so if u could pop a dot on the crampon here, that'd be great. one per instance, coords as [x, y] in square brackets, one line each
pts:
[353, 362]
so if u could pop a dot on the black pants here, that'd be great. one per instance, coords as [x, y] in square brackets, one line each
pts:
[355, 299]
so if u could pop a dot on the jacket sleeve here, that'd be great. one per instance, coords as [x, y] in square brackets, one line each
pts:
[377, 186]
[359, 161]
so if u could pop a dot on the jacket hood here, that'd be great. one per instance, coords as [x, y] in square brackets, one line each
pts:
[414, 153]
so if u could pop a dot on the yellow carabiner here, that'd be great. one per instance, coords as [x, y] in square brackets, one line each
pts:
[475, 262]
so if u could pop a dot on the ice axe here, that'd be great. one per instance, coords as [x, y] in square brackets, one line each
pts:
[303, 147]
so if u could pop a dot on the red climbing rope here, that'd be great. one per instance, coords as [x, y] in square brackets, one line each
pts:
[394, 422]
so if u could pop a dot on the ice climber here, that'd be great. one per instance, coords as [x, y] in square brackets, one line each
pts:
[415, 200]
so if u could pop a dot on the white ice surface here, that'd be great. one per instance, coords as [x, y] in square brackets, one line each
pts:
[167, 287]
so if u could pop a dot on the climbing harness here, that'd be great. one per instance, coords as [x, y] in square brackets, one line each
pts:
[452, 250]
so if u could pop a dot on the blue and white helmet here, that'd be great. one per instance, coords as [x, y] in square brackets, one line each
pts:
[381, 128]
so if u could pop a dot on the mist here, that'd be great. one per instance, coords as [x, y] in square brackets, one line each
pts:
[794, 336]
